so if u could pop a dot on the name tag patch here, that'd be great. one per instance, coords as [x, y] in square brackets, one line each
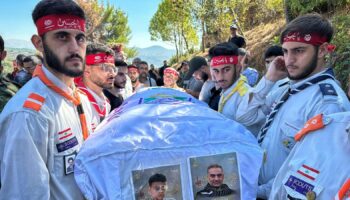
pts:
[297, 186]
[67, 144]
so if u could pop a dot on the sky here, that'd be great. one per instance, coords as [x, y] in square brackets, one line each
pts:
[16, 21]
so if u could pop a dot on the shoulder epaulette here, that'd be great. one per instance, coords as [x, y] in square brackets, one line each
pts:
[327, 89]
[34, 102]
[312, 124]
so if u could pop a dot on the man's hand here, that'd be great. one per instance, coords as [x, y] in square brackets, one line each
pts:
[277, 70]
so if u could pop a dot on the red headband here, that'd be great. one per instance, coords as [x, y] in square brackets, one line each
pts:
[312, 38]
[54, 22]
[133, 68]
[93, 59]
[171, 71]
[223, 60]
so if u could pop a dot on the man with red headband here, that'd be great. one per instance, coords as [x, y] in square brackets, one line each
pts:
[44, 125]
[99, 74]
[225, 68]
[312, 90]
[170, 78]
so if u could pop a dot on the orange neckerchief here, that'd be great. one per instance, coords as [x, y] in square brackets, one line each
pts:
[75, 99]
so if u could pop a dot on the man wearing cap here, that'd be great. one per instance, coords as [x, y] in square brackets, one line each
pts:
[193, 81]
[170, 78]
[239, 41]
[45, 123]
[99, 74]
[312, 90]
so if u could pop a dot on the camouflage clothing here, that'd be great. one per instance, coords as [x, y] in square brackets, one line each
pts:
[7, 90]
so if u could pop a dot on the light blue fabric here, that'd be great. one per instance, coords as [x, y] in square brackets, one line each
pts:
[159, 127]
[252, 76]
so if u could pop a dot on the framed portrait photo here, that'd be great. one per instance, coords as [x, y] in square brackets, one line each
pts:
[163, 182]
[215, 177]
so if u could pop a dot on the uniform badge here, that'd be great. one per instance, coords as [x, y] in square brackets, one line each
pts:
[69, 163]
[302, 183]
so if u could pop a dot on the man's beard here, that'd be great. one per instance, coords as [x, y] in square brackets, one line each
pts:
[53, 62]
[311, 68]
[143, 77]
[103, 85]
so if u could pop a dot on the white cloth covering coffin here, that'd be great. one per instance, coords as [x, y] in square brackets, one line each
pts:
[159, 127]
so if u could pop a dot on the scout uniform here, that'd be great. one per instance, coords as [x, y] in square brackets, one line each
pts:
[290, 106]
[42, 127]
[319, 163]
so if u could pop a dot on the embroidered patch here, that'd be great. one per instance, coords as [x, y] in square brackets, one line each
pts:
[65, 134]
[308, 172]
[328, 89]
[69, 163]
[297, 186]
[67, 144]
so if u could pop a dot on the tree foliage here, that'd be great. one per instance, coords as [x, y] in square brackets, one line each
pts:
[107, 24]
[173, 23]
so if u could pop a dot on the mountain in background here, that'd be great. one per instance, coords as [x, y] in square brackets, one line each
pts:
[152, 55]
[18, 44]
[155, 55]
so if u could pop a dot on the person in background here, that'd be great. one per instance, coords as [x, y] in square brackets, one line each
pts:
[236, 39]
[184, 68]
[30, 63]
[22, 76]
[193, 81]
[144, 76]
[170, 79]
[161, 70]
[7, 88]
[116, 95]
[133, 73]
[251, 74]
[153, 73]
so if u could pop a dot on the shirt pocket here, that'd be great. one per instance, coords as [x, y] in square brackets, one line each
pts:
[289, 130]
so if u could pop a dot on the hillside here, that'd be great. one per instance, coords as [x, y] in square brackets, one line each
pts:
[155, 54]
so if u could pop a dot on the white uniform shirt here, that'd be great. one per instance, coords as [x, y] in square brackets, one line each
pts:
[230, 107]
[320, 161]
[291, 117]
[35, 146]
[102, 103]
[205, 93]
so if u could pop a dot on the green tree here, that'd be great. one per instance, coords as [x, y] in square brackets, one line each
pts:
[173, 23]
[107, 25]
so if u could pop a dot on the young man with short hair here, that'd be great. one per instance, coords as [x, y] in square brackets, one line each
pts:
[99, 74]
[312, 90]
[54, 116]
[134, 73]
[157, 186]
[30, 63]
[226, 68]
[117, 94]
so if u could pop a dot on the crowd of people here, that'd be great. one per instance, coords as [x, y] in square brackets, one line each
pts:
[60, 97]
